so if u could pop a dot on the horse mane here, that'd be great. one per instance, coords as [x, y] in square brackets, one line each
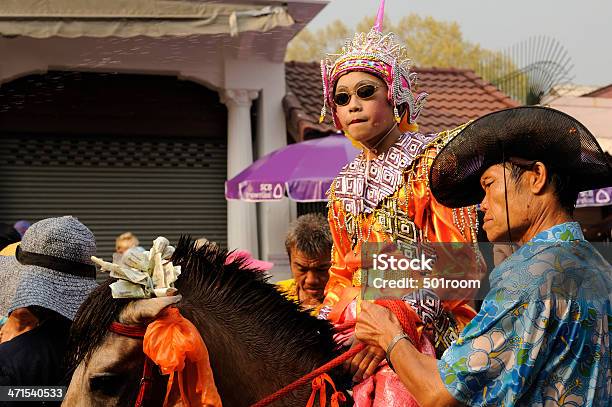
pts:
[250, 309]
[242, 300]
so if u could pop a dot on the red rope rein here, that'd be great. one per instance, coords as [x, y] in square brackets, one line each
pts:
[310, 376]
[407, 318]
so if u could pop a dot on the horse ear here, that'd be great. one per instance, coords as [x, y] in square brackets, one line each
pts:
[140, 312]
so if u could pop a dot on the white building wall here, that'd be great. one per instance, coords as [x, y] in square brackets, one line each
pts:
[262, 79]
[269, 78]
[251, 64]
[594, 113]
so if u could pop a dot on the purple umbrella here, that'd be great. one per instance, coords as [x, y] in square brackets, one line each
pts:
[595, 197]
[304, 171]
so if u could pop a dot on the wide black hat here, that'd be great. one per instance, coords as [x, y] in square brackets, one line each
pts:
[539, 133]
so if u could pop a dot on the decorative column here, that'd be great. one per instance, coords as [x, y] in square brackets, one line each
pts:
[273, 217]
[241, 216]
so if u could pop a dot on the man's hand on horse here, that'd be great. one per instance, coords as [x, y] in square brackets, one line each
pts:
[365, 363]
[376, 325]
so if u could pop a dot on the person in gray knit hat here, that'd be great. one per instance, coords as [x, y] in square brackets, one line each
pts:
[54, 266]
[49, 277]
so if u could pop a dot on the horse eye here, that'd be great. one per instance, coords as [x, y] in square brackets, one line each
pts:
[108, 384]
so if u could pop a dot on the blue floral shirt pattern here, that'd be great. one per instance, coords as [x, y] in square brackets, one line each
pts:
[542, 336]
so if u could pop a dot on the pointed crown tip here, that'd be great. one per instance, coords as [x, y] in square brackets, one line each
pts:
[380, 16]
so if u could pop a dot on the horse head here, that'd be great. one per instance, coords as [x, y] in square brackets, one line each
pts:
[108, 376]
[258, 341]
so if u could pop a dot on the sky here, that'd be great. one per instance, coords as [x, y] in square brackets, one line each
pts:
[583, 27]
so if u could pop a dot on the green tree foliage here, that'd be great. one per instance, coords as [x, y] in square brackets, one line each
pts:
[440, 44]
[429, 42]
[310, 46]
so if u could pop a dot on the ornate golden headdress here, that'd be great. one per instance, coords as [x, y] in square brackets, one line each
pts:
[378, 54]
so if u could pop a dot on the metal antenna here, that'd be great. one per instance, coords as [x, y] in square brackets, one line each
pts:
[530, 70]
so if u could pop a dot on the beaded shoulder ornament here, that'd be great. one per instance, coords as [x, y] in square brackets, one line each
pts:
[378, 54]
[359, 227]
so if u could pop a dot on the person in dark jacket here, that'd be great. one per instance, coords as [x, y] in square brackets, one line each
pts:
[54, 275]
[46, 335]
[8, 235]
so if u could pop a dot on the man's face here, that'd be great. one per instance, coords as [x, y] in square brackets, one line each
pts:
[364, 119]
[494, 205]
[310, 275]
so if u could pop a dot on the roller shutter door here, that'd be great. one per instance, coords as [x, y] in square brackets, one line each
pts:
[147, 185]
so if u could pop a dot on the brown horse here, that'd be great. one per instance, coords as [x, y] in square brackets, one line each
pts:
[258, 341]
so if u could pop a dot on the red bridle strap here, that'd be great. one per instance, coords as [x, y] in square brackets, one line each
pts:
[131, 331]
[137, 332]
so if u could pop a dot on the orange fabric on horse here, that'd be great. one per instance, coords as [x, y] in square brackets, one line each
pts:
[175, 345]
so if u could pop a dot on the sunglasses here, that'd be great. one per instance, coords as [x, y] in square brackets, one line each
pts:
[363, 92]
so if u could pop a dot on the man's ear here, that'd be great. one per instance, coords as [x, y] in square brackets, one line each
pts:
[289, 255]
[538, 178]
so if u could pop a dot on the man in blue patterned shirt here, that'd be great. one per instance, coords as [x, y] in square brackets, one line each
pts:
[542, 335]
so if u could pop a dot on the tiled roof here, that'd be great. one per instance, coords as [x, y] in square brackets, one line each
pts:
[605, 92]
[455, 97]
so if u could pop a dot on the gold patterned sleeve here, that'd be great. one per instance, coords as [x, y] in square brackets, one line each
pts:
[442, 224]
[438, 223]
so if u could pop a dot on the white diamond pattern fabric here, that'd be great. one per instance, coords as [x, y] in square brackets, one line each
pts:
[362, 194]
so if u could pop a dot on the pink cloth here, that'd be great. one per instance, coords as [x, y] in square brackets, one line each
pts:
[384, 388]
[249, 260]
